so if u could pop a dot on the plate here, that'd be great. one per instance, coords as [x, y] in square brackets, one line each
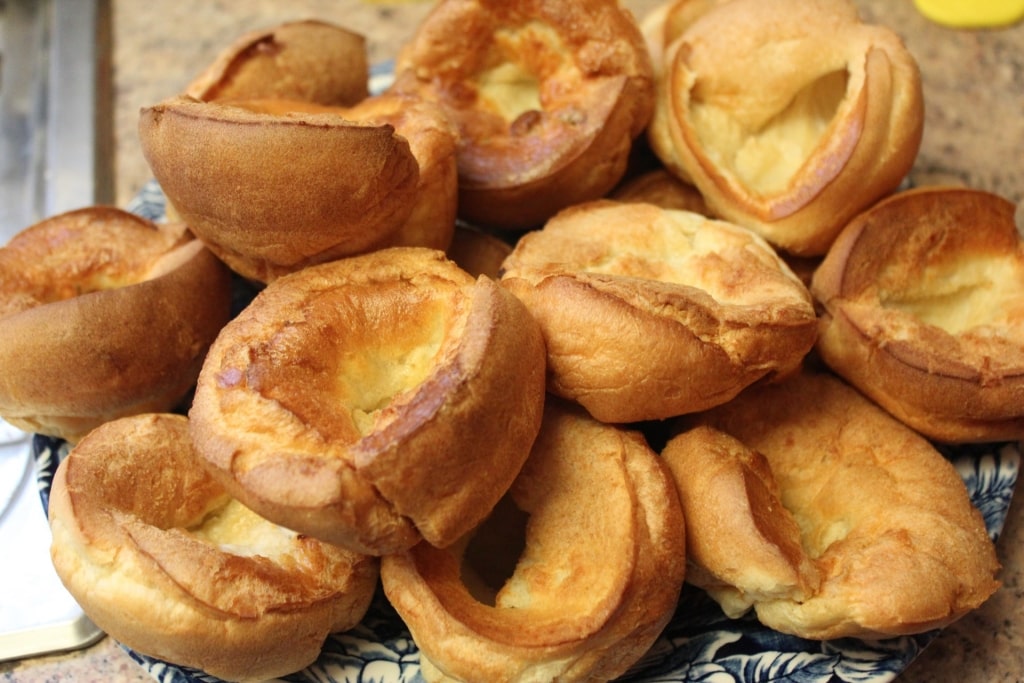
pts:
[700, 643]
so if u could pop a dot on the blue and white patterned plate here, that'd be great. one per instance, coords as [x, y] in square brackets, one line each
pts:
[699, 644]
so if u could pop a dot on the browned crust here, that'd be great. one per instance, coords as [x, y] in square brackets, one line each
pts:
[885, 518]
[639, 343]
[958, 386]
[121, 507]
[515, 173]
[743, 545]
[125, 344]
[349, 186]
[310, 61]
[282, 434]
[869, 144]
[598, 579]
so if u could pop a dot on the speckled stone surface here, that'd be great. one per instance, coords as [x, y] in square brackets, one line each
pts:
[974, 135]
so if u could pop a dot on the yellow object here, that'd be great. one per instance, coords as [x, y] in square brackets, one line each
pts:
[972, 13]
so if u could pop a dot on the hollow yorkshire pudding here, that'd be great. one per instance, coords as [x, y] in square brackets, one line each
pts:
[274, 186]
[789, 116]
[373, 401]
[808, 502]
[309, 61]
[595, 520]
[165, 562]
[649, 313]
[548, 98]
[103, 314]
[922, 302]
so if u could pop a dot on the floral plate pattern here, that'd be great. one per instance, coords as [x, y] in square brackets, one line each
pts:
[699, 644]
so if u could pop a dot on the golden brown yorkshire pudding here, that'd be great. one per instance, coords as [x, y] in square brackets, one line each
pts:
[310, 61]
[274, 186]
[573, 577]
[649, 313]
[923, 311]
[789, 116]
[808, 502]
[103, 314]
[165, 562]
[548, 98]
[373, 401]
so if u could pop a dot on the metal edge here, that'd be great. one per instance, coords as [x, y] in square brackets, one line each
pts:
[51, 639]
[78, 105]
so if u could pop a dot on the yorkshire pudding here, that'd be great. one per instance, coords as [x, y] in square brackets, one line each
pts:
[789, 116]
[165, 562]
[373, 401]
[548, 98]
[809, 503]
[104, 314]
[274, 186]
[595, 520]
[309, 61]
[922, 302]
[649, 313]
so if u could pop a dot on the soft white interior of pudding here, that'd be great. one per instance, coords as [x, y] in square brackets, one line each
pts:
[765, 159]
[235, 529]
[520, 59]
[375, 374]
[509, 90]
[685, 248]
[965, 295]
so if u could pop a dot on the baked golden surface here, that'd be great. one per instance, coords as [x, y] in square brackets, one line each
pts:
[164, 560]
[598, 523]
[103, 314]
[922, 310]
[548, 98]
[809, 503]
[373, 401]
[650, 313]
[790, 116]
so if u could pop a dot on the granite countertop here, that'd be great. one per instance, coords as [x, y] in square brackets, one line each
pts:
[974, 135]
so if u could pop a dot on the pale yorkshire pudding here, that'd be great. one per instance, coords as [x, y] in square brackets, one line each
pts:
[166, 563]
[922, 301]
[649, 313]
[548, 98]
[274, 186]
[573, 577]
[310, 61]
[103, 314]
[373, 401]
[809, 503]
[789, 116]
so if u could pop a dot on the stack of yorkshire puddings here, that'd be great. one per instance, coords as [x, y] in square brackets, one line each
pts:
[479, 294]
